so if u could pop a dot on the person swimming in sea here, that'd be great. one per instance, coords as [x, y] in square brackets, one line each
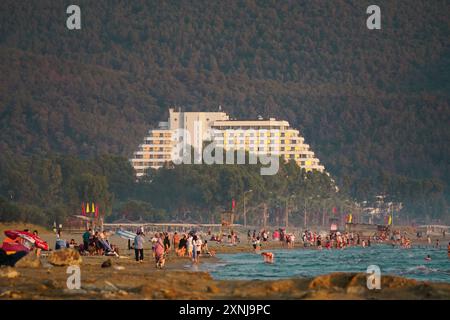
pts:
[428, 258]
[268, 257]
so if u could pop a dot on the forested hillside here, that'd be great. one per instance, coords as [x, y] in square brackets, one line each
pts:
[374, 105]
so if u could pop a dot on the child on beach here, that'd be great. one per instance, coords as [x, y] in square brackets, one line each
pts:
[206, 250]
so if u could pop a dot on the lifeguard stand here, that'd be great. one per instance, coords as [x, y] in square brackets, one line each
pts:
[227, 219]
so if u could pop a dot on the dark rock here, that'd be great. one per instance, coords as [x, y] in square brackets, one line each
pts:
[107, 264]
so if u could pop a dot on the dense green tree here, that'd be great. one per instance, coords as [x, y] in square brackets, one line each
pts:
[374, 105]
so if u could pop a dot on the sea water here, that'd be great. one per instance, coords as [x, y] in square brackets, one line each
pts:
[409, 263]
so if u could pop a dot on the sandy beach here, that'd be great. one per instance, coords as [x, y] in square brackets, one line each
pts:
[127, 279]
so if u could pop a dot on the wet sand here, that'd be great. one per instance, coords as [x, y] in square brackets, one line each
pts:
[127, 279]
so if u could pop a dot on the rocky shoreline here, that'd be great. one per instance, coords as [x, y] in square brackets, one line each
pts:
[124, 278]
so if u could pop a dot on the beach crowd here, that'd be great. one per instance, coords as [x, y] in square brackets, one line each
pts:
[194, 244]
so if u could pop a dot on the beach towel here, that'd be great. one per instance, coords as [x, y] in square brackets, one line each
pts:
[105, 245]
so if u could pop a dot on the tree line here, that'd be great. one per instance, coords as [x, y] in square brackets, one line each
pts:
[43, 190]
[374, 106]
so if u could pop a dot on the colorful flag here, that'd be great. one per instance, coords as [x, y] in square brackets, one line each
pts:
[83, 210]
[389, 220]
[96, 211]
[350, 218]
[233, 204]
[87, 207]
[93, 208]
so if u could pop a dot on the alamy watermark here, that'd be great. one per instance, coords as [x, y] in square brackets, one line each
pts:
[73, 22]
[230, 146]
[74, 279]
[373, 277]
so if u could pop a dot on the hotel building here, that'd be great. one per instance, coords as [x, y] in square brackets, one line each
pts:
[255, 136]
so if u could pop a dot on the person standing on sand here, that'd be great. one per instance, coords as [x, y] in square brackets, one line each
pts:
[38, 250]
[139, 246]
[194, 238]
[159, 251]
[182, 246]
[197, 248]
[154, 240]
[86, 236]
[176, 240]
[189, 245]
[166, 242]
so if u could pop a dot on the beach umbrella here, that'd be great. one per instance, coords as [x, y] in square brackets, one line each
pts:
[11, 247]
[29, 237]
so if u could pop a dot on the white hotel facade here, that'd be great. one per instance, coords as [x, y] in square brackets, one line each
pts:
[255, 136]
